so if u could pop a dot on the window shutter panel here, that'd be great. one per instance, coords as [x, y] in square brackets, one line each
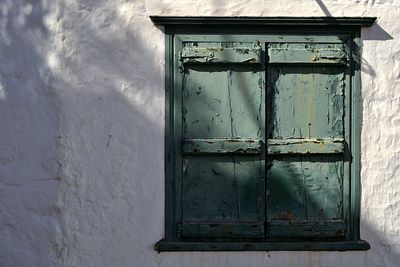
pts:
[223, 125]
[306, 143]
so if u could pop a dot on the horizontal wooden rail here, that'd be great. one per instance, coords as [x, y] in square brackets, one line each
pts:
[253, 146]
[209, 55]
[306, 53]
[305, 146]
[221, 146]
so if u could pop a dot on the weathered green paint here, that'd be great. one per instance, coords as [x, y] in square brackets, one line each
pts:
[244, 55]
[287, 53]
[306, 122]
[355, 143]
[177, 118]
[281, 36]
[221, 188]
[347, 128]
[305, 189]
[305, 101]
[221, 146]
[214, 187]
[305, 146]
[170, 225]
[223, 102]
[223, 126]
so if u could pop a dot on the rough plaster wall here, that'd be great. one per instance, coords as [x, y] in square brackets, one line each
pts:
[29, 216]
[82, 117]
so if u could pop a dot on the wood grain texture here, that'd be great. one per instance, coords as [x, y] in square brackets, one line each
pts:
[222, 230]
[221, 146]
[306, 188]
[286, 53]
[209, 55]
[306, 131]
[223, 129]
[305, 101]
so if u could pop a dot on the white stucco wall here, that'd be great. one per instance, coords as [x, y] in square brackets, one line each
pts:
[81, 133]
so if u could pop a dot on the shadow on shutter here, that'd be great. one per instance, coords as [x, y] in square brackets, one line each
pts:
[305, 146]
[223, 136]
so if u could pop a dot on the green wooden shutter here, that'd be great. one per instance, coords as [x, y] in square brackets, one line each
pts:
[223, 122]
[222, 142]
[306, 140]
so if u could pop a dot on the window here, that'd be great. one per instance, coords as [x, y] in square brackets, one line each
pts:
[262, 133]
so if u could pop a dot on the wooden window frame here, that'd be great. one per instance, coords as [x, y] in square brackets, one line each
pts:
[176, 28]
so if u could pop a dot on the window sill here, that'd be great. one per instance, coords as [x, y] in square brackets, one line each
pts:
[164, 245]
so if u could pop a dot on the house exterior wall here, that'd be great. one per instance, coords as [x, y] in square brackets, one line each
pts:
[82, 133]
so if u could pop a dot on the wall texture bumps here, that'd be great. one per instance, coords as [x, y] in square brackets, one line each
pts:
[82, 117]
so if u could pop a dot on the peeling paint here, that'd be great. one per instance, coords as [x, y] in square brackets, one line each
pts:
[194, 55]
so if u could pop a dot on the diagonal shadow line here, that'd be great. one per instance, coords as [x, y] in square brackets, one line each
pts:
[323, 8]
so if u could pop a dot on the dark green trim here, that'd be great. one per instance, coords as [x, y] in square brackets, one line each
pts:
[355, 145]
[177, 137]
[347, 136]
[163, 245]
[264, 21]
[169, 142]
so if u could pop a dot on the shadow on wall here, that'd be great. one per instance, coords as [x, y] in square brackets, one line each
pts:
[102, 113]
[375, 32]
[28, 139]
[383, 252]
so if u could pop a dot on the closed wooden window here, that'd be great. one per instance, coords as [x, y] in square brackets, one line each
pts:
[262, 139]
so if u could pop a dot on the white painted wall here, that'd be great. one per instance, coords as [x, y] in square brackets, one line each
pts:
[81, 133]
